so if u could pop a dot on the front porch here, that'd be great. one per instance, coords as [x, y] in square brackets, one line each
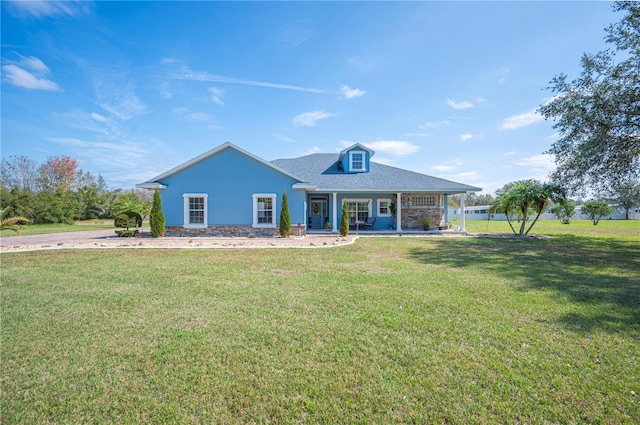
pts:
[387, 213]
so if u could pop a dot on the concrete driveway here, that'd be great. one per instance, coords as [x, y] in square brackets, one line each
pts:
[58, 238]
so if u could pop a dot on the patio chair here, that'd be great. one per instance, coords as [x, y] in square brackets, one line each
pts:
[368, 224]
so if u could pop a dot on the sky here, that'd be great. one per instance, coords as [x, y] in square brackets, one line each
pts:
[448, 89]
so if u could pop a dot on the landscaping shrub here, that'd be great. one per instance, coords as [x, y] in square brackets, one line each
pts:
[285, 217]
[157, 216]
[344, 221]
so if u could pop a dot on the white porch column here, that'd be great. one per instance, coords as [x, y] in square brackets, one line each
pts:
[462, 214]
[399, 213]
[446, 208]
[335, 213]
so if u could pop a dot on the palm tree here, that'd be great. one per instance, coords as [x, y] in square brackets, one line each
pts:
[10, 223]
[526, 198]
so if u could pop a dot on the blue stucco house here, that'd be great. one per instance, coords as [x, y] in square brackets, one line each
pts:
[228, 191]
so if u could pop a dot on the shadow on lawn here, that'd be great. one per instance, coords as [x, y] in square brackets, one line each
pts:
[602, 275]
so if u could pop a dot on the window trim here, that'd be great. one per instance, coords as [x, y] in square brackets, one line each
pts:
[364, 161]
[388, 200]
[369, 201]
[185, 222]
[436, 204]
[274, 198]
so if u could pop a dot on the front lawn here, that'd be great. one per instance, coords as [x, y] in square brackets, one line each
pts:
[387, 330]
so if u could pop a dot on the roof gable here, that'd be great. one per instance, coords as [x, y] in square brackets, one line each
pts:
[215, 151]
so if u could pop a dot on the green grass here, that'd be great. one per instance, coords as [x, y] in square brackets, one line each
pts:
[387, 330]
[80, 226]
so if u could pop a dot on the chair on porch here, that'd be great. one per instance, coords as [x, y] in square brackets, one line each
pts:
[368, 224]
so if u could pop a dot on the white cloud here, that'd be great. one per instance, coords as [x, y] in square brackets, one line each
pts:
[216, 95]
[21, 78]
[167, 60]
[41, 9]
[30, 73]
[522, 120]
[465, 137]
[539, 166]
[459, 105]
[314, 149]
[97, 117]
[443, 167]
[309, 119]
[393, 147]
[194, 116]
[430, 124]
[417, 135]
[186, 73]
[119, 99]
[510, 153]
[284, 138]
[350, 93]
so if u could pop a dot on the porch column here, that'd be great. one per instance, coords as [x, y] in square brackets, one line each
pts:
[335, 213]
[446, 208]
[462, 214]
[399, 213]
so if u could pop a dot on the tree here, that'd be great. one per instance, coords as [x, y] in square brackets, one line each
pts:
[131, 201]
[525, 199]
[156, 222]
[59, 172]
[285, 217]
[564, 210]
[19, 172]
[344, 220]
[596, 210]
[11, 223]
[626, 195]
[598, 114]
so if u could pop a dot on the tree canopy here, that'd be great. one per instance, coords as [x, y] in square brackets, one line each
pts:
[597, 115]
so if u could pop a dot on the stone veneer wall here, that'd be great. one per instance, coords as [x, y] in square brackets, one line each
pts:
[230, 231]
[412, 217]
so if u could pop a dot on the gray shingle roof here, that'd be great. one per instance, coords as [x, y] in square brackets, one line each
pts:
[321, 170]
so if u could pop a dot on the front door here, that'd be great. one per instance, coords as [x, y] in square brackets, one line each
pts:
[318, 212]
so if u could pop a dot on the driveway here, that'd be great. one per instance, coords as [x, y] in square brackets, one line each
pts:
[57, 238]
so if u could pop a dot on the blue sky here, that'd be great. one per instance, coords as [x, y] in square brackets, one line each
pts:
[131, 89]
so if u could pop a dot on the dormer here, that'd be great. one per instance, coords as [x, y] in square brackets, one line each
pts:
[356, 159]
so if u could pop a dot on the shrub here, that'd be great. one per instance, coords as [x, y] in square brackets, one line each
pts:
[157, 216]
[596, 210]
[128, 219]
[126, 233]
[344, 220]
[285, 217]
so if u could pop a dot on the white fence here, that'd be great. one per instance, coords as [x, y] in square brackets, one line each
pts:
[481, 213]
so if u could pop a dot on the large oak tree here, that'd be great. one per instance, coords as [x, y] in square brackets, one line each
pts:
[598, 114]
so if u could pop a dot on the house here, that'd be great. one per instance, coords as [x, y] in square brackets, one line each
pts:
[228, 191]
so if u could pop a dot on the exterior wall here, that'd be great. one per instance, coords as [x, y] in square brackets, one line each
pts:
[230, 231]
[412, 215]
[229, 178]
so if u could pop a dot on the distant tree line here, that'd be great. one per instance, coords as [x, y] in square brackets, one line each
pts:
[57, 191]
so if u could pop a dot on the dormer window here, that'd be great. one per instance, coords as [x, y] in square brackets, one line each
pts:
[356, 161]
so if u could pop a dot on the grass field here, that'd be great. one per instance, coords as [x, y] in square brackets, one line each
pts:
[80, 226]
[387, 330]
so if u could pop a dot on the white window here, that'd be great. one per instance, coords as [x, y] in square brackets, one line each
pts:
[358, 209]
[356, 161]
[424, 201]
[264, 210]
[195, 210]
[384, 207]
